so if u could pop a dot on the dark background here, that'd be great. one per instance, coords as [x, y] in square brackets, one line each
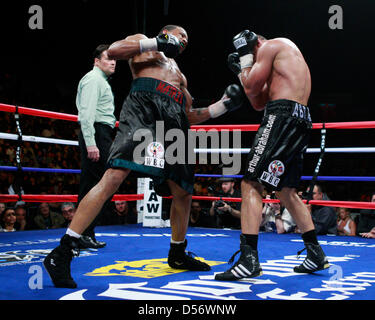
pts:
[42, 68]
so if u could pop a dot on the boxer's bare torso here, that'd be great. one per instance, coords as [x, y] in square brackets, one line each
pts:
[156, 65]
[279, 72]
[152, 64]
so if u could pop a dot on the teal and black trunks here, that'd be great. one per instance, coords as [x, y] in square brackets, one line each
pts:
[151, 109]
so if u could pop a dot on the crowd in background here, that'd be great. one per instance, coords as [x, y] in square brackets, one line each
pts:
[29, 216]
[342, 221]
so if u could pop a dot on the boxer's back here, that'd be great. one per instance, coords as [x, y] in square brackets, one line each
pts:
[290, 77]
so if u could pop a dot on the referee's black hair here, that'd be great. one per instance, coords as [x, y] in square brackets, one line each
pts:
[99, 50]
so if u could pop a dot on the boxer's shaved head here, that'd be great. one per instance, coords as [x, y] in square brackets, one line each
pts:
[169, 27]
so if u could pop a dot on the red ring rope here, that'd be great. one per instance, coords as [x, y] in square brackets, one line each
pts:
[230, 127]
[134, 197]
[61, 198]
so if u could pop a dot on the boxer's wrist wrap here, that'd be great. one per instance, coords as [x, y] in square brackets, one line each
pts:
[247, 61]
[240, 78]
[148, 45]
[217, 109]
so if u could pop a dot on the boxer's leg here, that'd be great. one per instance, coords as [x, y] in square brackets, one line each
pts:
[315, 259]
[251, 207]
[179, 215]
[290, 200]
[247, 265]
[180, 211]
[91, 204]
[57, 262]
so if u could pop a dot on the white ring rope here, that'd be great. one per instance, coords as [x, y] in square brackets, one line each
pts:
[10, 136]
[309, 150]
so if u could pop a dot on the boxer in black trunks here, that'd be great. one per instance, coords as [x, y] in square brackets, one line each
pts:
[158, 93]
[276, 79]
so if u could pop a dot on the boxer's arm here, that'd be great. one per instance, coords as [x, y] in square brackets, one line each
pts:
[197, 115]
[126, 48]
[254, 79]
[139, 44]
[230, 101]
[259, 102]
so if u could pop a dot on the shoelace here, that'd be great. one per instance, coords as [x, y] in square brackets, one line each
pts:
[75, 252]
[191, 254]
[231, 260]
[299, 252]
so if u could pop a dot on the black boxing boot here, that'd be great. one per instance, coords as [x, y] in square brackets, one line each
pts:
[179, 259]
[86, 242]
[247, 266]
[57, 262]
[315, 260]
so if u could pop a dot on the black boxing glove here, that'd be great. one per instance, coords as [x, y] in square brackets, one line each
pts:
[245, 42]
[167, 43]
[235, 97]
[230, 101]
[234, 63]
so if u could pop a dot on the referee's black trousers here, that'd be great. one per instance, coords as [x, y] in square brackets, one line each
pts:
[92, 172]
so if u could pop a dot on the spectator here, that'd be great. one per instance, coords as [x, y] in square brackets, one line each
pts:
[276, 218]
[345, 225]
[370, 234]
[2, 207]
[121, 214]
[285, 222]
[324, 218]
[366, 219]
[199, 217]
[68, 210]
[228, 214]
[22, 218]
[8, 220]
[268, 215]
[47, 219]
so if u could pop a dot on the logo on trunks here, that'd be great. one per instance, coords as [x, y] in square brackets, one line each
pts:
[262, 142]
[275, 169]
[171, 91]
[155, 150]
[176, 146]
[300, 111]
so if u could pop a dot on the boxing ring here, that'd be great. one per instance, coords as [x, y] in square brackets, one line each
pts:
[133, 265]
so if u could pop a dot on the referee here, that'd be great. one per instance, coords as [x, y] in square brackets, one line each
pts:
[95, 104]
